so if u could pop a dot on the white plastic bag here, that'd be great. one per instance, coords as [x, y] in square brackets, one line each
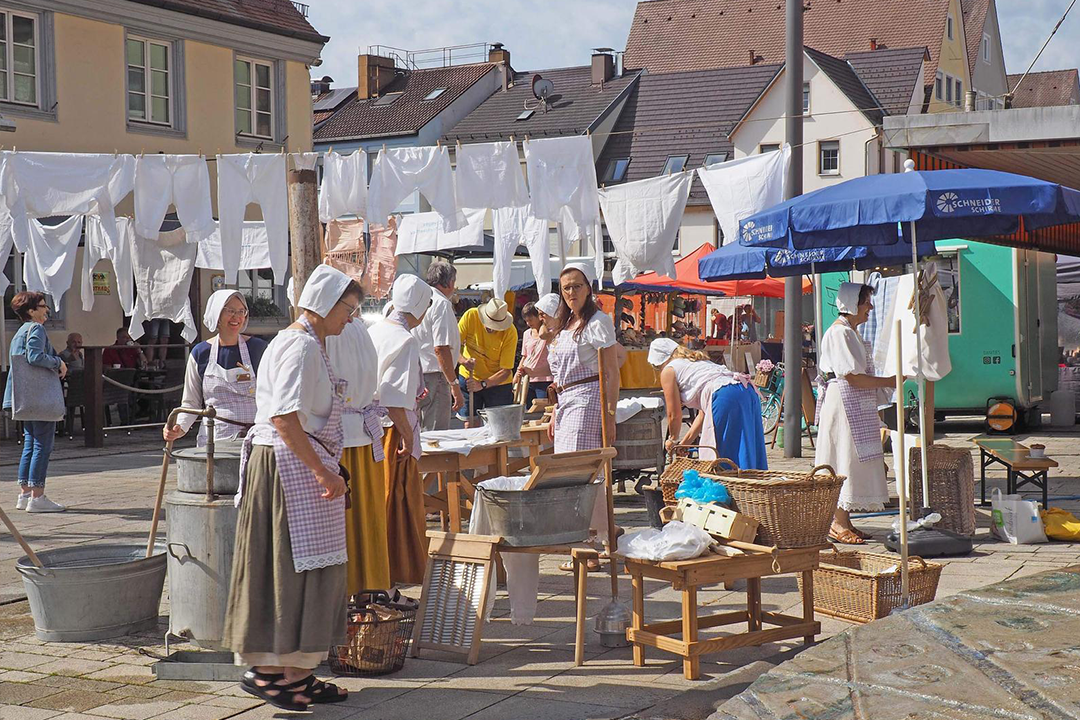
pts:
[1015, 520]
[677, 541]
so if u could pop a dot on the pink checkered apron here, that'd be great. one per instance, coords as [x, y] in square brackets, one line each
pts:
[316, 525]
[577, 414]
[860, 406]
[231, 392]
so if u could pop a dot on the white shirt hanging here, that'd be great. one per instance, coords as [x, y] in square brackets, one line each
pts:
[49, 262]
[256, 252]
[245, 179]
[643, 220]
[399, 172]
[742, 187]
[6, 243]
[179, 180]
[425, 232]
[518, 226]
[163, 270]
[488, 175]
[562, 174]
[99, 247]
[344, 188]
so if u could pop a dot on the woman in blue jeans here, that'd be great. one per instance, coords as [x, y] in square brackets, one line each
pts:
[32, 341]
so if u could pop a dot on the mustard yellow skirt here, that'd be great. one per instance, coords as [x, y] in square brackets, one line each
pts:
[365, 522]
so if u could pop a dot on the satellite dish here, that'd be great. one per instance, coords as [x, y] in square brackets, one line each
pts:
[542, 88]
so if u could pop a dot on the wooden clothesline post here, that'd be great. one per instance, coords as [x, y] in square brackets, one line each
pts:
[305, 246]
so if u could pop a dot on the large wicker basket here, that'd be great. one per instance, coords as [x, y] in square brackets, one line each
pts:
[795, 509]
[952, 486]
[863, 587]
[680, 462]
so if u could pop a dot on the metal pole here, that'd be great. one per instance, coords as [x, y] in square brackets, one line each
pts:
[793, 126]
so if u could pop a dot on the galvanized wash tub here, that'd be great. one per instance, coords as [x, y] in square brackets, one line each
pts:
[547, 516]
[93, 592]
[191, 468]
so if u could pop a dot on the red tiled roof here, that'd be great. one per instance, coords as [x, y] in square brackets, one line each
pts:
[410, 112]
[279, 17]
[974, 22]
[1046, 89]
[674, 35]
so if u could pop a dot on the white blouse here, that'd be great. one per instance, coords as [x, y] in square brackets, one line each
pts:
[293, 378]
[353, 355]
[398, 377]
[698, 380]
[842, 351]
[599, 333]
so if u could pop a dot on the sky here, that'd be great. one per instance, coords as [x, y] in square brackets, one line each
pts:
[562, 33]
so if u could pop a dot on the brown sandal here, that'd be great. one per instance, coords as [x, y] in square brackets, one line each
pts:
[846, 537]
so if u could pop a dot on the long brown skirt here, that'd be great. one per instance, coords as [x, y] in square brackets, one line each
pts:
[272, 608]
[406, 519]
[365, 522]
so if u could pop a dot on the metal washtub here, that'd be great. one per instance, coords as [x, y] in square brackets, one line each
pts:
[546, 516]
[503, 421]
[94, 592]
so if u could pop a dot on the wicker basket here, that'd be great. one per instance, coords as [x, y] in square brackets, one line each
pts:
[858, 586]
[762, 379]
[952, 486]
[673, 473]
[378, 635]
[795, 509]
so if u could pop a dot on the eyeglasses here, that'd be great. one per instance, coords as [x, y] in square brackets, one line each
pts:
[572, 288]
[229, 312]
[354, 310]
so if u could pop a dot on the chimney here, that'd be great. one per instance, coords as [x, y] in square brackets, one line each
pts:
[373, 74]
[873, 44]
[753, 57]
[603, 68]
[499, 54]
[318, 87]
[970, 99]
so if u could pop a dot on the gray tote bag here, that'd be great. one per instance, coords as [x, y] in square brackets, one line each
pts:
[36, 392]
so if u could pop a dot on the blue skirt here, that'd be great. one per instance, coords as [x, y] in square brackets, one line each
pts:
[737, 425]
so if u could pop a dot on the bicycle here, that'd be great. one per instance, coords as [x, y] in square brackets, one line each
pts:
[772, 400]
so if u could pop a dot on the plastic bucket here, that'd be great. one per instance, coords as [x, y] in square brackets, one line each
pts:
[92, 592]
[548, 516]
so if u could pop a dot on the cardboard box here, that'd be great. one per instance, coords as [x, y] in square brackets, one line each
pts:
[717, 520]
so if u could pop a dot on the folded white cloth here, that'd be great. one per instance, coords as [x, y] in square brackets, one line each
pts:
[488, 175]
[49, 261]
[562, 174]
[425, 232]
[256, 251]
[244, 179]
[180, 180]
[344, 189]
[643, 220]
[461, 441]
[399, 172]
[742, 187]
[629, 407]
[100, 246]
[163, 270]
[516, 226]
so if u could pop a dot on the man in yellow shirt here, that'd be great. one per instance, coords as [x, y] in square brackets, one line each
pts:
[488, 347]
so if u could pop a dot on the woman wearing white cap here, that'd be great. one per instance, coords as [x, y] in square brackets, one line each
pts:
[222, 371]
[399, 387]
[849, 430]
[287, 597]
[729, 417]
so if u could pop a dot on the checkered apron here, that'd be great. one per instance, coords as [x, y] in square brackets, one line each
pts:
[230, 393]
[577, 413]
[316, 525]
[860, 406]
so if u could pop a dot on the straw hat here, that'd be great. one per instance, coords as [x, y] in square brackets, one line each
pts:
[495, 315]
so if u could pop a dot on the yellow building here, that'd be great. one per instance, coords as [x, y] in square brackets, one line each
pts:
[147, 76]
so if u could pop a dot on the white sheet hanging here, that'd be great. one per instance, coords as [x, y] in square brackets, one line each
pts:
[305, 161]
[562, 173]
[423, 232]
[5, 250]
[936, 361]
[589, 238]
[399, 172]
[244, 179]
[643, 220]
[49, 262]
[513, 227]
[344, 188]
[488, 175]
[179, 180]
[742, 187]
[99, 246]
[256, 252]
[163, 270]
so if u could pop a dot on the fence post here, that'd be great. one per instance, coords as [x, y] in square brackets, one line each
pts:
[94, 412]
[304, 228]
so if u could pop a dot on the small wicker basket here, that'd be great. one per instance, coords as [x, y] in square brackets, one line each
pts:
[680, 462]
[863, 587]
[378, 635]
[762, 379]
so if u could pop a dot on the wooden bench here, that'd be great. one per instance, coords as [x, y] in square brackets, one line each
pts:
[1021, 469]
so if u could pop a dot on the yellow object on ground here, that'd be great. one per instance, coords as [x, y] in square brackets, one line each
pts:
[1061, 524]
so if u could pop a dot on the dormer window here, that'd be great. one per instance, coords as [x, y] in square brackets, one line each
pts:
[435, 93]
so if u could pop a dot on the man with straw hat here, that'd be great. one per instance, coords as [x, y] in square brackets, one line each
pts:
[489, 346]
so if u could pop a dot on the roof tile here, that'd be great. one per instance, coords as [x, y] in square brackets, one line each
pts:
[1046, 89]
[280, 17]
[890, 75]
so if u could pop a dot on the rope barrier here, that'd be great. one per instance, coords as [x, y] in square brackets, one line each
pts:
[145, 391]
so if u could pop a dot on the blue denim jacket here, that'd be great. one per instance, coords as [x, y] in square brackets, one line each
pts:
[32, 341]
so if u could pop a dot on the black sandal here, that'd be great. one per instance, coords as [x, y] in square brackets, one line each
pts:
[319, 691]
[280, 696]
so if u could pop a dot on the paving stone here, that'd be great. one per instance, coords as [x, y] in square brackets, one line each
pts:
[135, 709]
[10, 712]
[20, 676]
[145, 692]
[198, 712]
[72, 701]
[123, 673]
[22, 661]
[63, 681]
[73, 667]
[540, 708]
[19, 693]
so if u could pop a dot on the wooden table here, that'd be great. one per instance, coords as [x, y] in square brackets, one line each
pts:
[1021, 469]
[713, 569]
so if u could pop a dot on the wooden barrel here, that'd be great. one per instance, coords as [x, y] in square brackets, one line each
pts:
[640, 441]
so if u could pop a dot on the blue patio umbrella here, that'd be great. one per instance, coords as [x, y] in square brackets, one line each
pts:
[738, 262]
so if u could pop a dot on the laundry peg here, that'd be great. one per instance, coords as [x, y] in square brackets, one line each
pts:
[384, 147]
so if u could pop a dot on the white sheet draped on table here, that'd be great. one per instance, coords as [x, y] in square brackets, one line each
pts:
[344, 189]
[562, 174]
[49, 262]
[163, 270]
[513, 227]
[488, 175]
[99, 247]
[399, 172]
[245, 179]
[179, 180]
[256, 251]
[742, 187]
[425, 233]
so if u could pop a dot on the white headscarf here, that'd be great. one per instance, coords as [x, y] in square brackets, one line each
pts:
[216, 303]
[585, 268]
[661, 350]
[410, 295]
[549, 304]
[847, 298]
[323, 289]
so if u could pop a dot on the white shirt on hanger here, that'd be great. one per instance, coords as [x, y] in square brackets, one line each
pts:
[49, 262]
[163, 270]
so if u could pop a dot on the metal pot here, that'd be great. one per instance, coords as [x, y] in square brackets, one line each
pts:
[503, 422]
[191, 469]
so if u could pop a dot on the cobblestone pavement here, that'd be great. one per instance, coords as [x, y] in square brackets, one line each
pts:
[525, 672]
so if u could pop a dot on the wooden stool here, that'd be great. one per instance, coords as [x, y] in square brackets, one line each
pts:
[581, 557]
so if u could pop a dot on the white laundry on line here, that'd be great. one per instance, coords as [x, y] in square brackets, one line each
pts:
[6, 243]
[305, 160]
[244, 179]
[488, 175]
[179, 180]
[49, 262]
[562, 174]
[424, 233]
[399, 172]
[643, 219]
[516, 226]
[99, 246]
[163, 270]
[587, 236]
[256, 251]
[742, 187]
[344, 189]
